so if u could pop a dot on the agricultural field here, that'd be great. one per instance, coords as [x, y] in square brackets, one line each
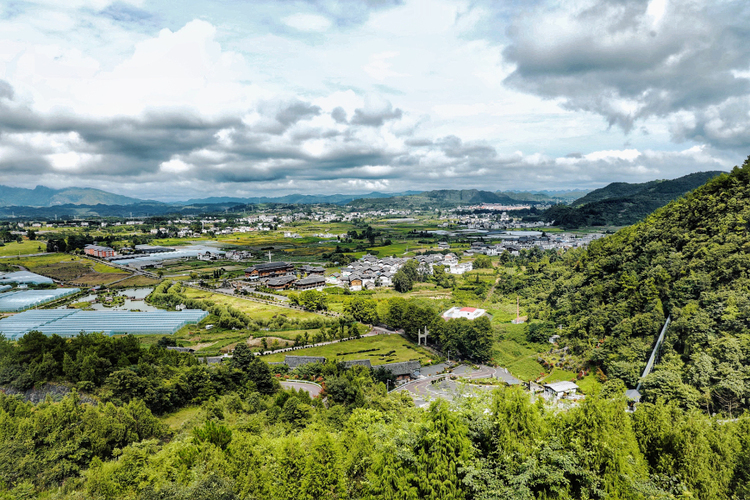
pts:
[70, 269]
[253, 309]
[379, 350]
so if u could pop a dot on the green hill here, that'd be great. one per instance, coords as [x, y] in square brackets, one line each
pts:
[689, 259]
[622, 204]
[42, 196]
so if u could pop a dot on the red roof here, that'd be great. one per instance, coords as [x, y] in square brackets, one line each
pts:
[468, 309]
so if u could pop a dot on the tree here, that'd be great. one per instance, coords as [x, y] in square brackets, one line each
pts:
[313, 300]
[362, 309]
[539, 331]
[402, 282]
[482, 262]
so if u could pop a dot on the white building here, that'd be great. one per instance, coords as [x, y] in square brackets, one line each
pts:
[470, 313]
[560, 390]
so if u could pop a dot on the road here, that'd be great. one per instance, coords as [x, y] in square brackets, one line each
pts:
[423, 390]
[311, 388]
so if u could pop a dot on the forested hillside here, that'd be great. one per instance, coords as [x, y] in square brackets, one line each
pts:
[690, 260]
[622, 203]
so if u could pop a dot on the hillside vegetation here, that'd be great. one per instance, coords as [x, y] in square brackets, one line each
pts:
[690, 260]
[622, 203]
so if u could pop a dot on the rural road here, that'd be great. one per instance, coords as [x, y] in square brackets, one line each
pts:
[311, 388]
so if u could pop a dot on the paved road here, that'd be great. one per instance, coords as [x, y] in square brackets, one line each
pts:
[312, 389]
[424, 390]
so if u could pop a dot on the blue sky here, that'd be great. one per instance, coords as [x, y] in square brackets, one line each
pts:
[177, 100]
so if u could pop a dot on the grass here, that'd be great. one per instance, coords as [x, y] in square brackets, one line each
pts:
[178, 419]
[388, 349]
[514, 353]
[253, 309]
[137, 281]
[25, 247]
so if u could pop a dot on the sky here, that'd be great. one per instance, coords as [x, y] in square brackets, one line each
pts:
[175, 100]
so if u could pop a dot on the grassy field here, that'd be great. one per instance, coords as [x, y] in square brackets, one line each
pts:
[253, 309]
[176, 420]
[387, 349]
[25, 247]
[518, 356]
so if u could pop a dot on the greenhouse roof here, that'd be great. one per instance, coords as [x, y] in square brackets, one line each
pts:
[71, 322]
[24, 277]
[19, 300]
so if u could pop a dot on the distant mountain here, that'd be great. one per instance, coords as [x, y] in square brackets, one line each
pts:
[42, 196]
[302, 199]
[622, 203]
[440, 198]
[545, 196]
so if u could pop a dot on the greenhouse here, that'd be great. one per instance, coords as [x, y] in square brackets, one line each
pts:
[71, 322]
[24, 277]
[190, 252]
[20, 300]
[4, 288]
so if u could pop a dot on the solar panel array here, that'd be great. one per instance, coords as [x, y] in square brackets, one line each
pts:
[71, 322]
[19, 300]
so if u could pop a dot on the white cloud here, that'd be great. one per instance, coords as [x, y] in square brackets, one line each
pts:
[307, 22]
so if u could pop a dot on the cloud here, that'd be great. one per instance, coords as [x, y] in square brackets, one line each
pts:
[375, 113]
[629, 61]
[307, 22]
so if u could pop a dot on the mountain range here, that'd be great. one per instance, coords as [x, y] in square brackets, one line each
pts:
[42, 196]
[622, 203]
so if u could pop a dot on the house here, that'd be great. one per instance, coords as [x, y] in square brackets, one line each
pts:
[310, 270]
[443, 245]
[470, 313]
[560, 390]
[461, 268]
[269, 270]
[281, 282]
[295, 361]
[355, 282]
[310, 282]
[358, 362]
[404, 371]
[99, 251]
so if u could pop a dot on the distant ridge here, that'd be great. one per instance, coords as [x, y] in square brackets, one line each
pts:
[42, 196]
[338, 199]
[622, 203]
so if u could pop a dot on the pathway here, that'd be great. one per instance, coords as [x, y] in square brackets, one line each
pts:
[312, 388]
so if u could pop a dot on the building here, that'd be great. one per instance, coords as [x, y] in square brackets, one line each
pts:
[313, 270]
[358, 362]
[281, 282]
[99, 251]
[269, 270]
[470, 313]
[560, 390]
[310, 282]
[406, 370]
[296, 361]
[152, 249]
